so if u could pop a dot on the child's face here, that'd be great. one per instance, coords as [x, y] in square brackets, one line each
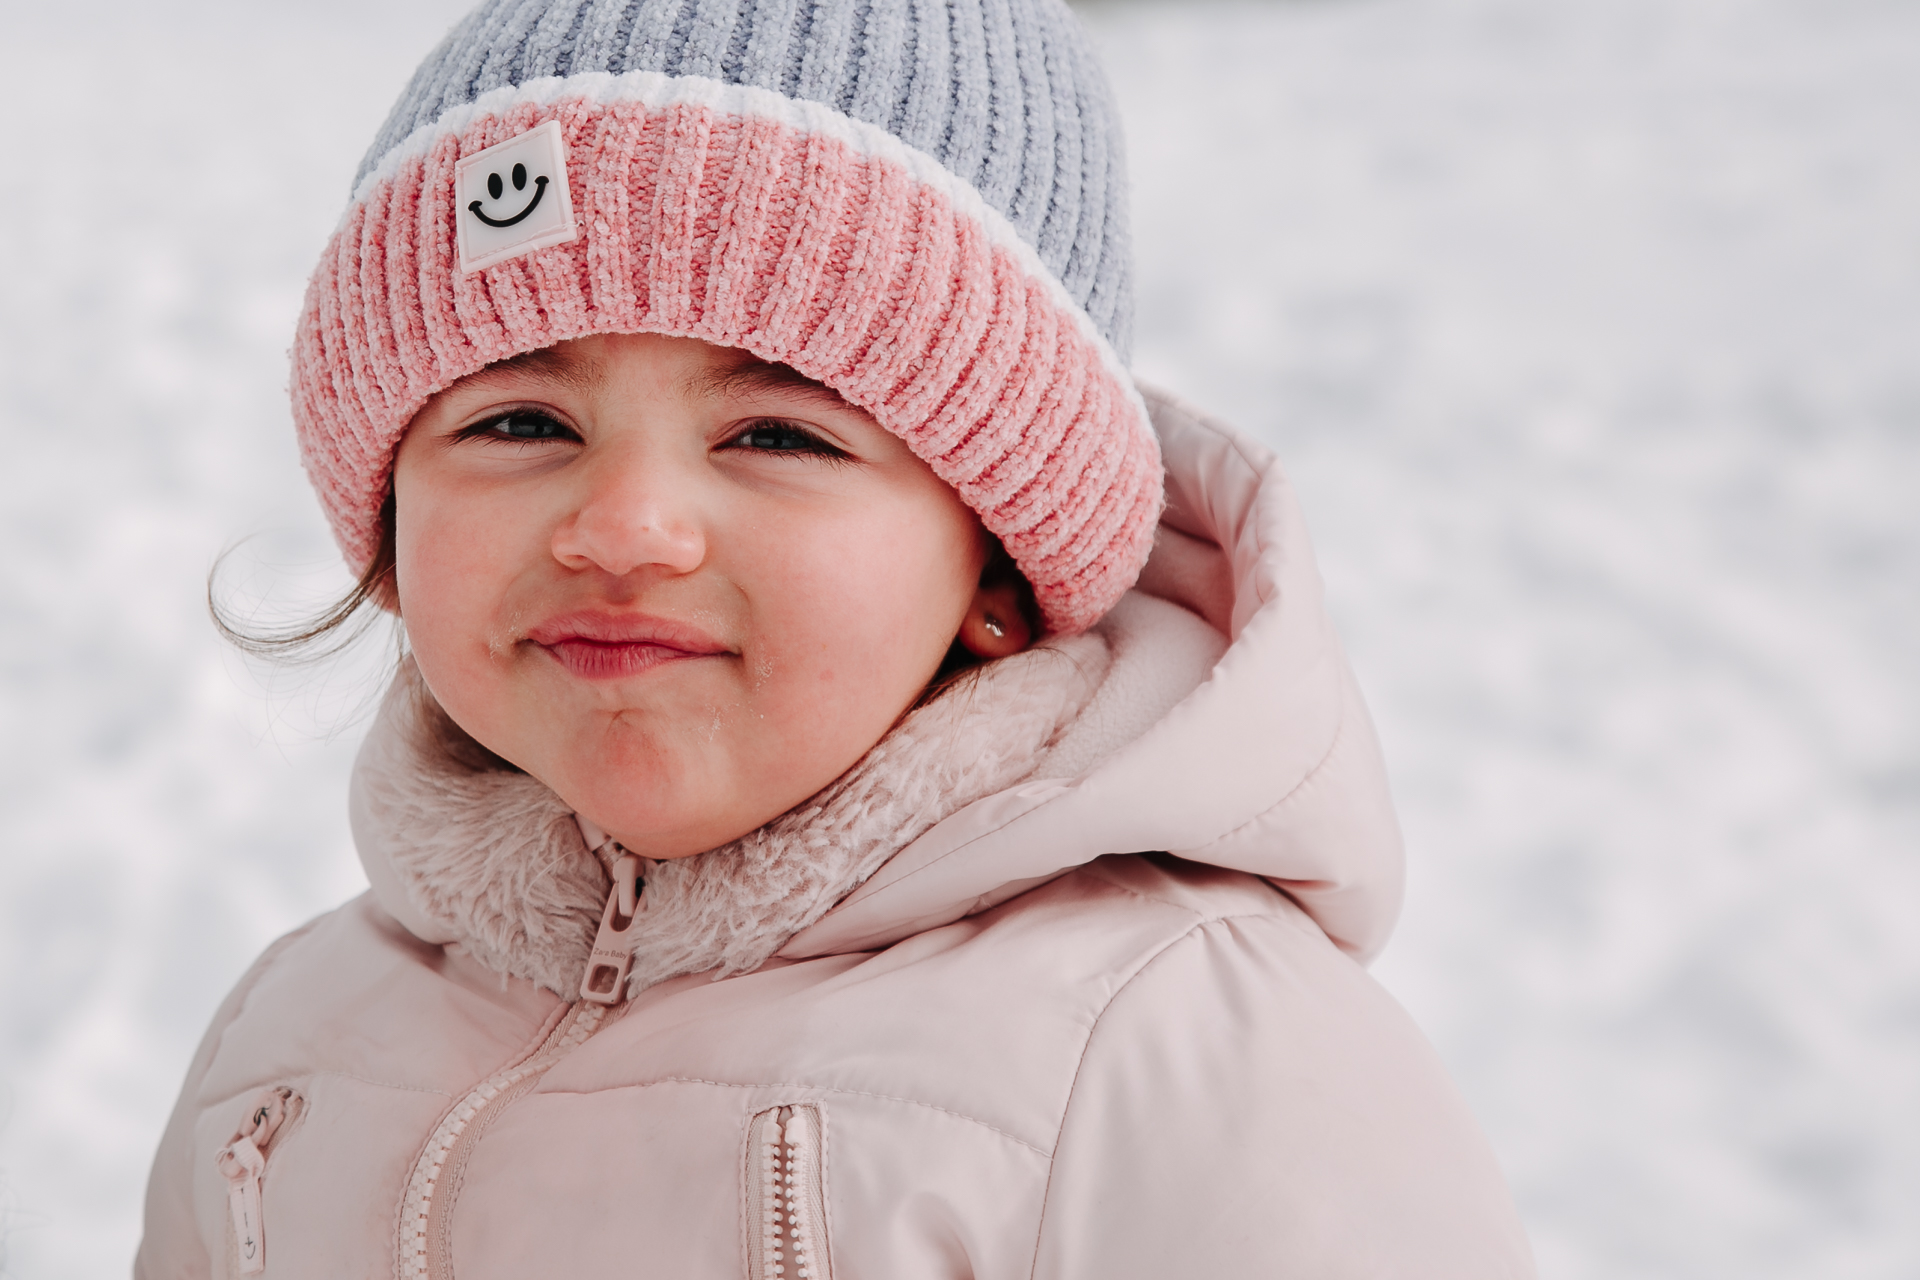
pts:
[683, 588]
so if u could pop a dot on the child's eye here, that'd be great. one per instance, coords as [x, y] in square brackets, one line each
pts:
[521, 424]
[771, 436]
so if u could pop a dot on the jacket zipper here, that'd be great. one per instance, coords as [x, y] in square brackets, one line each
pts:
[426, 1209]
[243, 1163]
[786, 1195]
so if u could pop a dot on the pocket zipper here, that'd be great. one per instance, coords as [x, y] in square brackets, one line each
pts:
[243, 1163]
[786, 1195]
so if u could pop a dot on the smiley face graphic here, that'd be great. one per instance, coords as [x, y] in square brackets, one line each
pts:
[513, 198]
[496, 189]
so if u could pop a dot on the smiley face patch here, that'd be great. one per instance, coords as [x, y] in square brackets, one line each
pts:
[513, 198]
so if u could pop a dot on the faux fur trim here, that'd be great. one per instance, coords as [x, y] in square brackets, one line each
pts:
[730, 910]
[463, 849]
[482, 855]
[492, 860]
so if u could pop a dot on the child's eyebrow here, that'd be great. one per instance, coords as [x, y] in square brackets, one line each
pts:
[549, 365]
[753, 374]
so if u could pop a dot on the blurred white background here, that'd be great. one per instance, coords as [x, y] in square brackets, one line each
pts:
[1588, 329]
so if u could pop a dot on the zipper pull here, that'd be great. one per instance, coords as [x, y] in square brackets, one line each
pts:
[605, 981]
[241, 1163]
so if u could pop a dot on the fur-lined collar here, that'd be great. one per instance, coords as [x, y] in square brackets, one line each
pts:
[490, 859]
[464, 850]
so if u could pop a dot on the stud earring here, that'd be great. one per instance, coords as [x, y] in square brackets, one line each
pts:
[994, 628]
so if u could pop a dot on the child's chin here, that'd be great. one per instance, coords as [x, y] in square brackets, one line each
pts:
[667, 832]
[659, 800]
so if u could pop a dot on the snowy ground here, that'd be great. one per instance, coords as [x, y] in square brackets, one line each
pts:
[1589, 330]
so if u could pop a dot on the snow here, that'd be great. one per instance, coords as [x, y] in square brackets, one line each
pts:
[1587, 329]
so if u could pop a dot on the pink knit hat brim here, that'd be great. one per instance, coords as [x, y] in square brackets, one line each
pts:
[747, 220]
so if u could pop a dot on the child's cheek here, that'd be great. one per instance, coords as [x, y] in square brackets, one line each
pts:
[457, 556]
[858, 612]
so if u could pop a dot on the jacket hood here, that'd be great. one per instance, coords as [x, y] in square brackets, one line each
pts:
[1270, 765]
[1246, 746]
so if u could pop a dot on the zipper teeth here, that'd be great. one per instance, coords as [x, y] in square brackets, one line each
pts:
[416, 1207]
[770, 1198]
[803, 1172]
[791, 1201]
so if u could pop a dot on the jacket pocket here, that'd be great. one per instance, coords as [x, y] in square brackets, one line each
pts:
[271, 1114]
[786, 1195]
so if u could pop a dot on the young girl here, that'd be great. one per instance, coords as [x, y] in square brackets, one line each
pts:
[872, 793]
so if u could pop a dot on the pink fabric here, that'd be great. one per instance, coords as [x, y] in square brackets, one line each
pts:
[748, 233]
[1269, 767]
[1036, 1056]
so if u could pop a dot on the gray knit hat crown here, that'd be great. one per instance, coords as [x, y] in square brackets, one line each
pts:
[1006, 94]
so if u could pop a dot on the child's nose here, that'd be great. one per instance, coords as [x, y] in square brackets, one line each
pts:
[632, 515]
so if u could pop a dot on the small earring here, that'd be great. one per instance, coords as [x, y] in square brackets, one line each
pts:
[994, 628]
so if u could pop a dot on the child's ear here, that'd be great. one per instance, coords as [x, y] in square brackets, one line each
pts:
[995, 626]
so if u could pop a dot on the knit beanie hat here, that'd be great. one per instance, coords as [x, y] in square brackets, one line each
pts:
[919, 203]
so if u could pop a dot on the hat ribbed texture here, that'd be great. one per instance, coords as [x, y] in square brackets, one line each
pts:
[918, 204]
[1005, 94]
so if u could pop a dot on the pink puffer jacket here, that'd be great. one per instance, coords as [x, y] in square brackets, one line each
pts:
[1026, 1047]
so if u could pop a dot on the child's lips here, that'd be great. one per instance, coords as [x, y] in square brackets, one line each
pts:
[608, 646]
